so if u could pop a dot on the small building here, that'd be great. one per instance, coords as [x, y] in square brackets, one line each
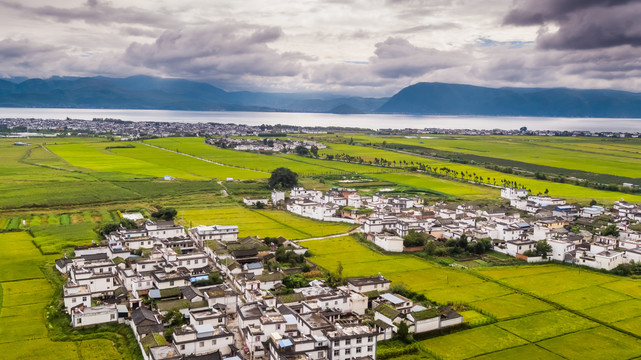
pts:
[368, 283]
[87, 316]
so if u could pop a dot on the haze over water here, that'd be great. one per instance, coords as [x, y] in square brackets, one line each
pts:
[371, 121]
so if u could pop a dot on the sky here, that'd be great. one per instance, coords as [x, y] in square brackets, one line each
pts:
[354, 47]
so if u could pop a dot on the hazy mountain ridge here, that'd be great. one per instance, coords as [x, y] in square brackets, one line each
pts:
[454, 99]
[144, 92]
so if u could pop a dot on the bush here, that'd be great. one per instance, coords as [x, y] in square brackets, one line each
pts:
[166, 214]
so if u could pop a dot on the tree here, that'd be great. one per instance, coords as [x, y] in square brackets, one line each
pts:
[165, 214]
[260, 205]
[462, 242]
[593, 202]
[523, 129]
[430, 247]
[543, 248]
[314, 150]
[301, 150]
[403, 333]
[610, 230]
[414, 238]
[283, 178]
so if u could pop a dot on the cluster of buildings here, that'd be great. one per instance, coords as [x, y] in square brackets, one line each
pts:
[568, 228]
[265, 144]
[439, 131]
[139, 276]
[130, 130]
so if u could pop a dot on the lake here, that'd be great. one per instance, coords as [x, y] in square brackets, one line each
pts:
[371, 121]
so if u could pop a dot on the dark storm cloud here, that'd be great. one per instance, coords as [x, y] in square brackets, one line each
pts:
[217, 51]
[93, 12]
[537, 12]
[12, 50]
[582, 24]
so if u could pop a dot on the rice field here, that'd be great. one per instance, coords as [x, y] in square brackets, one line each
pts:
[262, 223]
[540, 310]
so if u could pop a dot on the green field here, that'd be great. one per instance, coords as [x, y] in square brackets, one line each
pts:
[620, 157]
[263, 223]
[25, 294]
[248, 160]
[539, 308]
[569, 191]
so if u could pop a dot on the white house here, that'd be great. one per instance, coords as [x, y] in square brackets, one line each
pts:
[223, 233]
[389, 243]
[74, 295]
[87, 316]
[202, 339]
[353, 341]
[513, 193]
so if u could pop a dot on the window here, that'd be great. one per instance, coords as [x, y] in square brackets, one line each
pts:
[278, 326]
[358, 350]
[73, 300]
[182, 347]
[108, 280]
[347, 351]
[348, 342]
[257, 338]
[337, 343]
[320, 354]
[171, 283]
[337, 352]
[370, 338]
[213, 342]
[201, 344]
[79, 321]
[113, 316]
[200, 322]
[220, 320]
[359, 340]
[370, 348]
[344, 300]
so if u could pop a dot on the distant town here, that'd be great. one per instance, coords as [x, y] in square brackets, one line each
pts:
[130, 130]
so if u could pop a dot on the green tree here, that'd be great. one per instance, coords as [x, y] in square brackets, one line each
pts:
[593, 202]
[430, 247]
[301, 150]
[403, 333]
[167, 214]
[314, 150]
[610, 230]
[414, 238]
[283, 178]
[543, 248]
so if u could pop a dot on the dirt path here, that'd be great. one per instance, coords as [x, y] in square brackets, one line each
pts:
[358, 229]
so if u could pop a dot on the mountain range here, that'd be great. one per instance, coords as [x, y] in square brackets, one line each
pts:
[144, 92]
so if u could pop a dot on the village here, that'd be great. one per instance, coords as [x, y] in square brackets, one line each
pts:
[205, 293]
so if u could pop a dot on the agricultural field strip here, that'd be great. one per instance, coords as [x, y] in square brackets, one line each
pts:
[255, 161]
[199, 158]
[608, 161]
[565, 307]
[515, 290]
[537, 186]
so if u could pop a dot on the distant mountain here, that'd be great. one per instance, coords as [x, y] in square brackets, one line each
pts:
[453, 99]
[145, 92]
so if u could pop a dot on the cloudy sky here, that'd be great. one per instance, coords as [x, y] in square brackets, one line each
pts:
[360, 47]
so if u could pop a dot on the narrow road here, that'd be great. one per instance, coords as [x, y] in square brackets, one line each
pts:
[202, 159]
[358, 229]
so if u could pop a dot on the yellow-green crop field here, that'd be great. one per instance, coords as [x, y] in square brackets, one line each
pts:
[569, 191]
[263, 223]
[24, 294]
[542, 311]
[621, 157]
